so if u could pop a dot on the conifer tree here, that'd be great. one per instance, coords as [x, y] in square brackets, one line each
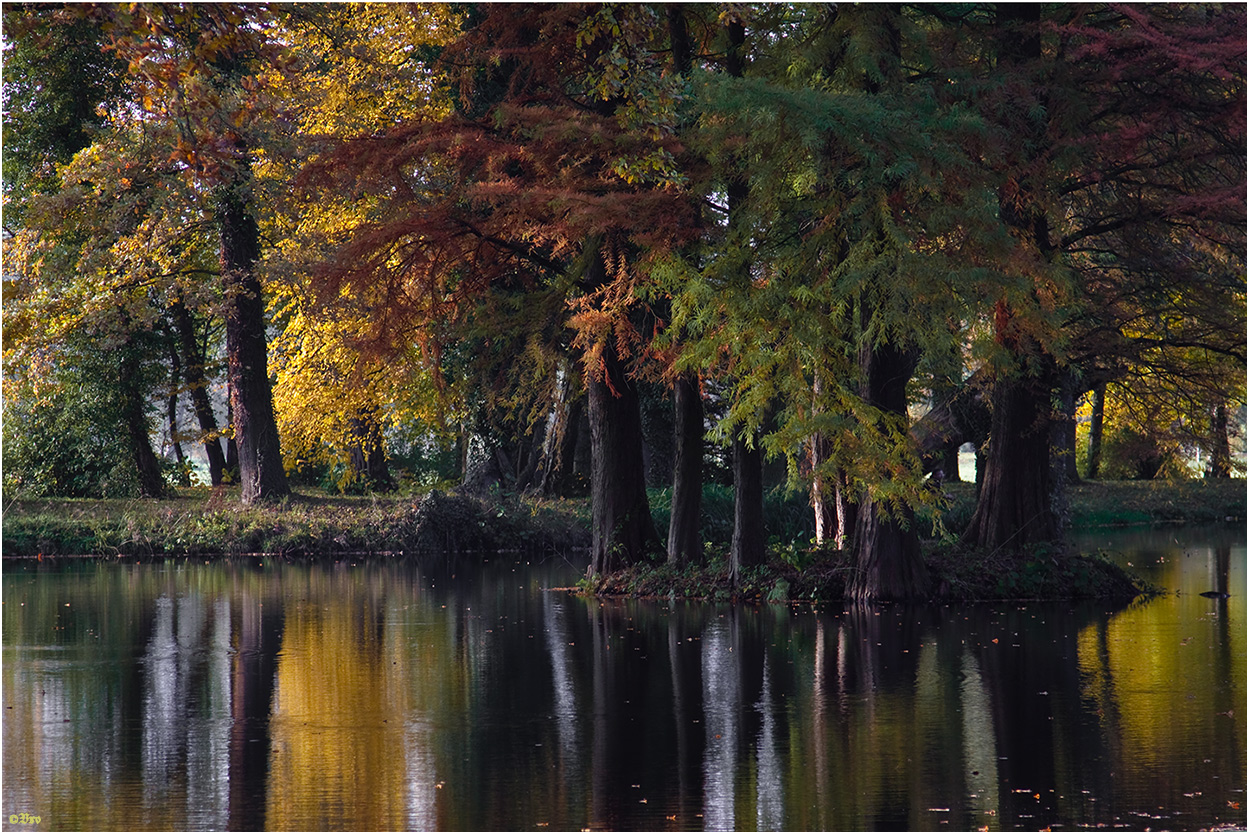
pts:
[554, 171]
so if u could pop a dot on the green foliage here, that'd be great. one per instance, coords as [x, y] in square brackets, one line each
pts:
[64, 420]
[55, 76]
[787, 517]
[895, 179]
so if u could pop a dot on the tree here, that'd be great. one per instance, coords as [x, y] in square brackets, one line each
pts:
[56, 76]
[545, 178]
[853, 275]
[352, 71]
[193, 71]
[1128, 195]
[685, 540]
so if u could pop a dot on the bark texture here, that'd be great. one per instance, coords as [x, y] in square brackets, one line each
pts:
[623, 531]
[261, 473]
[748, 547]
[369, 466]
[1220, 447]
[685, 541]
[1014, 505]
[147, 466]
[887, 557]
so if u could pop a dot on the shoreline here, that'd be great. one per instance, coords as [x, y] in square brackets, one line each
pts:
[204, 524]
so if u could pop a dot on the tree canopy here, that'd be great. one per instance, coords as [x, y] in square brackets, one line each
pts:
[343, 239]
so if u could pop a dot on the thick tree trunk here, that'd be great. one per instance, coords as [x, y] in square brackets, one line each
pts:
[685, 541]
[1095, 431]
[748, 547]
[261, 473]
[193, 374]
[623, 531]
[887, 558]
[1014, 509]
[888, 562]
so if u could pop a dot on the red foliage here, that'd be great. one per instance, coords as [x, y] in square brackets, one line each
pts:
[506, 191]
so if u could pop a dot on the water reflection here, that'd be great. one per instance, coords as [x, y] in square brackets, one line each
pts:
[384, 695]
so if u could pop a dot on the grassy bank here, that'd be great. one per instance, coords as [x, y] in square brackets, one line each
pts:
[1120, 503]
[201, 522]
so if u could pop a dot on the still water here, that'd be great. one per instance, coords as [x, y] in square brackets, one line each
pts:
[382, 695]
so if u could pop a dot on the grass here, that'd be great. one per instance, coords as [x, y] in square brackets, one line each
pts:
[1121, 503]
[204, 522]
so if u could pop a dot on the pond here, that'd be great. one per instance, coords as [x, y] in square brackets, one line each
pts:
[383, 694]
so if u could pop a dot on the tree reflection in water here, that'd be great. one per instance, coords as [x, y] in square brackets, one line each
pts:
[384, 696]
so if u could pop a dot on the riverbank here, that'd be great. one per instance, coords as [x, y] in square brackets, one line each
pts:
[956, 573]
[207, 523]
[211, 523]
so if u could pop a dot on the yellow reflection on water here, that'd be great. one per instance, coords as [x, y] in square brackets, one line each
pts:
[349, 739]
[1167, 678]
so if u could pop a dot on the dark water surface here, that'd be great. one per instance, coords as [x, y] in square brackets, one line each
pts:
[386, 695]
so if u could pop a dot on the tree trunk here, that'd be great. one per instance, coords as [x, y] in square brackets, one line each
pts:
[261, 473]
[685, 541]
[1063, 450]
[193, 374]
[1013, 509]
[1063, 437]
[623, 531]
[827, 495]
[560, 474]
[887, 556]
[535, 448]
[147, 466]
[1220, 447]
[748, 547]
[171, 412]
[1014, 506]
[824, 493]
[949, 463]
[1095, 431]
[847, 513]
